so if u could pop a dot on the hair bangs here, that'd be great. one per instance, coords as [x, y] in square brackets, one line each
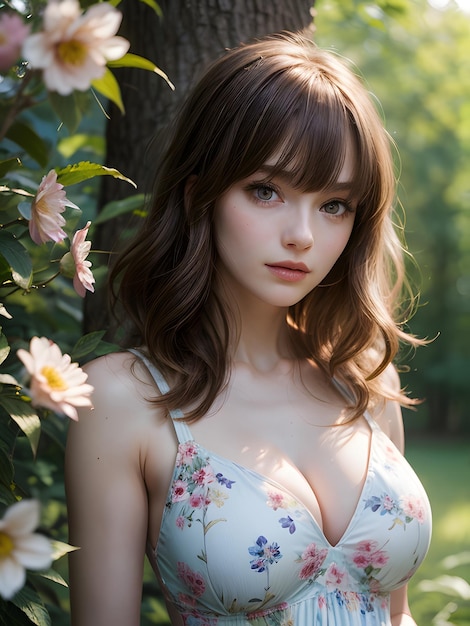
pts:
[306, 130]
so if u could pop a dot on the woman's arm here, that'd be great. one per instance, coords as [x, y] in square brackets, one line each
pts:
[399, 609]
[107, 502]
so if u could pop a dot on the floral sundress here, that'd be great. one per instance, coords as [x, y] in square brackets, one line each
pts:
[237, 548]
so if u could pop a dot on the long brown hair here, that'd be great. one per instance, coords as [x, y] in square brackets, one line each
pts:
[280, 95]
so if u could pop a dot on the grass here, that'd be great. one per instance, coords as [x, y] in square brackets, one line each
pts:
[444, 468]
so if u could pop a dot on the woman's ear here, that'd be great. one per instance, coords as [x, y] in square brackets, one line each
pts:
[188, 191]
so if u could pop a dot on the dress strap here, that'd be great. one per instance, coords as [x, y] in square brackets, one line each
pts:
[181, 428]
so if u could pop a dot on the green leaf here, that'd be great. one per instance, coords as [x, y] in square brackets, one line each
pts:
[60, 549]
[7, 165]
[51, 575]
[120, 207]
[108, 86]
[17, 258]
[153, 5]
[134, 60]
[68, 146]
[84, 170]
[25, 417]
[7, 472]
[67, 110]
[86, 344]
[25, 137]
[28, 601]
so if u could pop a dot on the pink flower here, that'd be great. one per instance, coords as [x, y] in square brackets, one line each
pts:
[203, 476]
[186, 452]
[275, 500]
[13, 31]
[334, 577]
[313, 561]
[413, 507]
[74, 47]
[20, 547]
[193, 580]
[179, 491]
[56, 382]
[48, 204]
[367, 554]
[186, 600]
[80, 248]
[180, 522]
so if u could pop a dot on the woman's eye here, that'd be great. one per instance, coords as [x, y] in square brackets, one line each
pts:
[265, 193]
[335, 207]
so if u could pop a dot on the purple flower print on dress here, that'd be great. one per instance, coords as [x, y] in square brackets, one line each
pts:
[224, 481]
[409, 508]
[264, 554]
[288, 522]
[313, 560]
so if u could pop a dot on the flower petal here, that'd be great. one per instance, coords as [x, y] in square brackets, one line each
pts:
[33, 551]
[12, 578]
[21, 518]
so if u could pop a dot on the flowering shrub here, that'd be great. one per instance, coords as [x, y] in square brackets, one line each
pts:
[49, 62]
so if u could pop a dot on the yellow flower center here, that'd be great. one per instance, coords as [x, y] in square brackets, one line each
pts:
[6, 545]
[54, 379]
[72, 52]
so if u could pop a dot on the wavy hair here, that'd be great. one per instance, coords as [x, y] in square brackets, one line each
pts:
[280, 95]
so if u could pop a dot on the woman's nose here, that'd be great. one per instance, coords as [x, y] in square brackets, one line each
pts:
[298, 232]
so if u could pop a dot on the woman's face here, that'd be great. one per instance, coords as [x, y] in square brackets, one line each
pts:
[276, 243]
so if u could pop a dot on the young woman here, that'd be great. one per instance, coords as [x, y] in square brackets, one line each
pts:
[252, 443]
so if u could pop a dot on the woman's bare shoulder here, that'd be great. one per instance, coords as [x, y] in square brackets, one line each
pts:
[122, 393]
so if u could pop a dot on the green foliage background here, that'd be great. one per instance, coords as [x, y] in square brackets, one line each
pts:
[415, 59]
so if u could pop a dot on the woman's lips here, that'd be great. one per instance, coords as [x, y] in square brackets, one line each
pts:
[289, 271]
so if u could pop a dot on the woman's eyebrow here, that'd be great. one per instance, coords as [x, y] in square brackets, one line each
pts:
[286, 174]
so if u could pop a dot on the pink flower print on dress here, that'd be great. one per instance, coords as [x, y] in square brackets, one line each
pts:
[187, 601]
[193, 580]
[313, 558]
[179, 491]
[198, 500]
[275, 500]
[335, 577]
[203, 476]
[368, 555]
[413, 508]
[180, 522]
[186, 452]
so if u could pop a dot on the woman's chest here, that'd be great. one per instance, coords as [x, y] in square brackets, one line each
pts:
[288, 436]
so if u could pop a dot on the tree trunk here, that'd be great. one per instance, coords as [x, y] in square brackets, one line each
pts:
[182, 42]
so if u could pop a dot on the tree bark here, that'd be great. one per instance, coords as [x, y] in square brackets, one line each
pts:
[182, 42]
